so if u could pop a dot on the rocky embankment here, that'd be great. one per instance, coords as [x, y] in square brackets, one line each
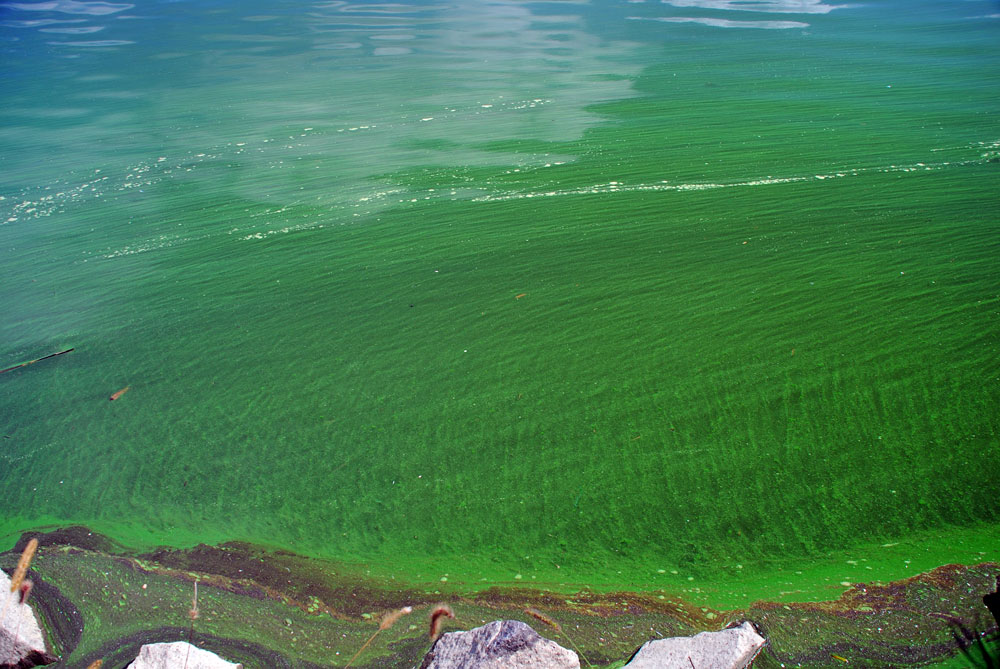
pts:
[259, 608]
[508, 644]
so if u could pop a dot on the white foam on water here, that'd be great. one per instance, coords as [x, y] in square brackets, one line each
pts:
[271, 153]
[51, 199]
[262, 225]
[155, 244]
[314, 225]
[359, 196]
[667, 186]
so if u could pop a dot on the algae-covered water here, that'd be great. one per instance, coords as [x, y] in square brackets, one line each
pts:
[648, 294]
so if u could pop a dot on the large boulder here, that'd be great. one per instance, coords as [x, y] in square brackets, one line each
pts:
[501, 644]
[21, 642]
[732, 648]
[178, 654]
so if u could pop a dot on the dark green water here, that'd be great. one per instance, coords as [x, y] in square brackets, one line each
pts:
[673, 294]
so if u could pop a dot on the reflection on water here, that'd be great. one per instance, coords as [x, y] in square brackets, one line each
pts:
[459, 78]
[70, 7]
[758, 6]
[780, 6]
[729, 23]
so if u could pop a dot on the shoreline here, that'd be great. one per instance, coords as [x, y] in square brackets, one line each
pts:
[722, 584]
[272, 608]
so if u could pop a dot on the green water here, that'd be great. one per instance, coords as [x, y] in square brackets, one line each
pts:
[639, 294]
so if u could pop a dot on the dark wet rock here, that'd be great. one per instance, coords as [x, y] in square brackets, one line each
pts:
[74, 535]
[179, 654]
[501, 644]
[992, 602]
[21, 641]
[732, 648]
[34, 658]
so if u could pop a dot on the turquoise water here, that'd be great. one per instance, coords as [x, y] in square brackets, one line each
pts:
[651, 293]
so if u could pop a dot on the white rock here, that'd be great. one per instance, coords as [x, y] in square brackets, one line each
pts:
[175, 655]
[501, 644]
[20, 634]
[732, 648]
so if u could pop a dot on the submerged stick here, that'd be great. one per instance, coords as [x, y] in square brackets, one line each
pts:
[119, 393]
[31, 362]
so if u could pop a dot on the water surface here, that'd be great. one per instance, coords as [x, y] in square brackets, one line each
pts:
[670, 294]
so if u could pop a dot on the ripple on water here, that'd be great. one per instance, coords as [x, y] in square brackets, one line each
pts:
[391, 51]
[759, 6]
[35, 23]
[71, 7]
[727, 23]
[95, 43]
[81, 30]
[769, 6]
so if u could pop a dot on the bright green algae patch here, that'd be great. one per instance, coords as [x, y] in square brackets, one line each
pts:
[750, 394]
